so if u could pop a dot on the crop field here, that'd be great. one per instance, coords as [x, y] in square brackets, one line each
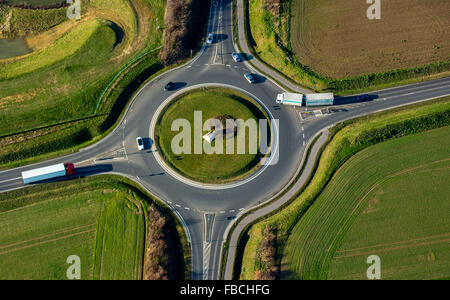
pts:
[347, 140]
[336, 39]
[99, 221]
[215, 168]
[390, 200]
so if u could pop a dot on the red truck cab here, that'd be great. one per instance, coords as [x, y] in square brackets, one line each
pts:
[70, 169]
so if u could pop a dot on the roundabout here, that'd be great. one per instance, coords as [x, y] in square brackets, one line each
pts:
[238, 155]
[232, 119]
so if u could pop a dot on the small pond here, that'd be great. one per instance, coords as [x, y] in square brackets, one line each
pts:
[13, 47]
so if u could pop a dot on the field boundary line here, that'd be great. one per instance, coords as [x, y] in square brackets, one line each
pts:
[394, 243]
[48, 241]
[405, 171]
[45, 236]
[393, 248]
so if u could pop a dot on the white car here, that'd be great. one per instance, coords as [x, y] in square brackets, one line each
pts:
[210, 38]
[249, 78]
[140, 143]
[236, 57]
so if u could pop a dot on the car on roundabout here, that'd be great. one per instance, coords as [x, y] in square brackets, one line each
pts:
[236, 57]
[249, 78]
[210, 38]
[140, 143]
[169, 86]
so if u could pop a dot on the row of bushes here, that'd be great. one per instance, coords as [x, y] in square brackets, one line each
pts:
[184, 23]
[365, 81]
[26, 5]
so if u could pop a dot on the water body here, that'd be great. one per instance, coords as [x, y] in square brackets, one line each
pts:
[13, 47]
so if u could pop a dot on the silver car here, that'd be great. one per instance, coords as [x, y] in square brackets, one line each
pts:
[236, 57]
[140, 143]
[210, 38]
[249, 78]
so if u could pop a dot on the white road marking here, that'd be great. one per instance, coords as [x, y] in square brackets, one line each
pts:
[10, 179]
[206, 259]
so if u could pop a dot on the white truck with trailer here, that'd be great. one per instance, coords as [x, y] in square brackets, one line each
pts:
[47, 173]
[290, 99]
[320, 99]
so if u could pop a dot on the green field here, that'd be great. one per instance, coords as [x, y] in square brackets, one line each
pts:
[346, 140]
[216, 168]
[390, 200]
[100, 220]
[47, 95]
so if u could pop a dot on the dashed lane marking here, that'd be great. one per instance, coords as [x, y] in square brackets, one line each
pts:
[13, 179]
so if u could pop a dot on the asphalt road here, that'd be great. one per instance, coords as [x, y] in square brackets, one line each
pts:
[207, 213]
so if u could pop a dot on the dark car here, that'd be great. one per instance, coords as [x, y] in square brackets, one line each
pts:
[169, 86]
[364, 97]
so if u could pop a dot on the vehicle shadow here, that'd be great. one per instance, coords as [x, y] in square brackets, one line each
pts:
[258, 78]
[82, 172]
[354, 99]
[246, 56]
[148, 143]
[179, 85]
[157, 174]
[220, 38]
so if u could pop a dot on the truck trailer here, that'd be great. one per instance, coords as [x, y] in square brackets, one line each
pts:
[47, 173]
[290, 99]
[319, 99]
[305, 100]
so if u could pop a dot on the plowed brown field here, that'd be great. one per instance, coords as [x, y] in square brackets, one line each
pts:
[335, 38]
